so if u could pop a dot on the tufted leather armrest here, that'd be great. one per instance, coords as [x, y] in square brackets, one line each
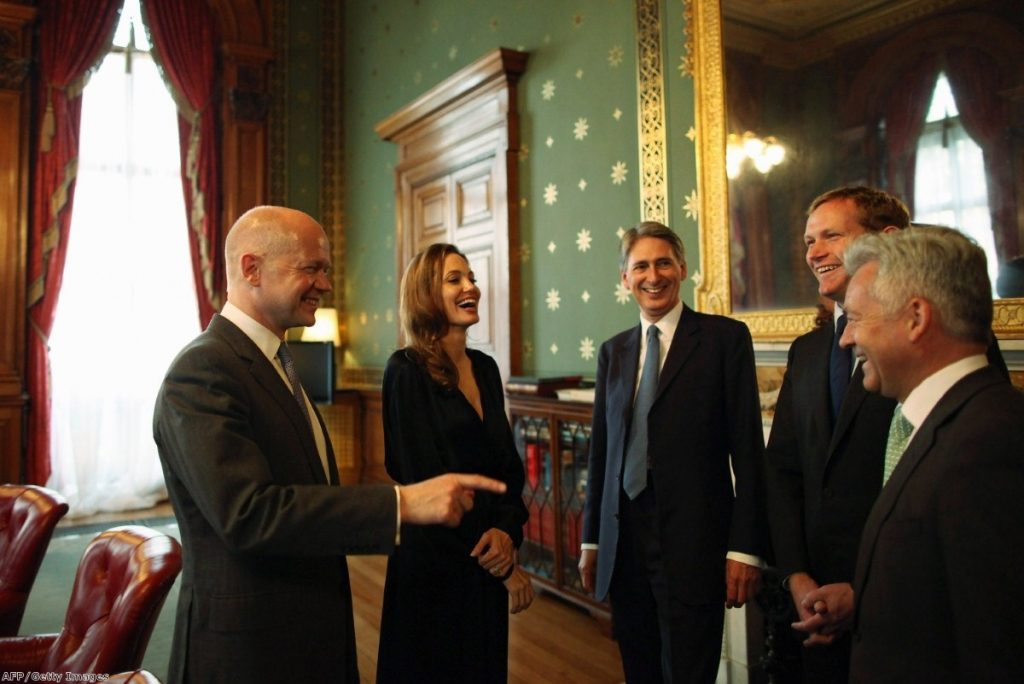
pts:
[28, 515]
[120, 586]
[22, 654]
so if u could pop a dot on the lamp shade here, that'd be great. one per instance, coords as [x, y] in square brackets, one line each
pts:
[325, 329]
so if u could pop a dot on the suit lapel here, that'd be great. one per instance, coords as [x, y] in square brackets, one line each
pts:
[854, 397]
[684, 343]
[264, 373]
[918, 449]
[624, 382]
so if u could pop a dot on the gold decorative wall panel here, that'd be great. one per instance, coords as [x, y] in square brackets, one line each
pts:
[651, 113]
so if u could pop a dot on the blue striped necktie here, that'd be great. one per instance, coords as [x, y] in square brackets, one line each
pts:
[634, 477]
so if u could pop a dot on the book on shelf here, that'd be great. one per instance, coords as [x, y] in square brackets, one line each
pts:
[541, 387]
[582, 394]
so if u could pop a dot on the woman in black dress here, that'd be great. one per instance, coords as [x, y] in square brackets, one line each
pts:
[449, 590]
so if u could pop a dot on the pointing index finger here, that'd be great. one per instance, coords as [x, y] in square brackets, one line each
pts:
[480, 482]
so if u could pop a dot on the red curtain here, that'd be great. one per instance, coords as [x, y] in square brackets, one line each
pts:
[975, 78]
[904, 113]
[73, 36]
[184, 44]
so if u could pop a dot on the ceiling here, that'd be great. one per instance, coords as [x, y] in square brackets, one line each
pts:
[793, 33]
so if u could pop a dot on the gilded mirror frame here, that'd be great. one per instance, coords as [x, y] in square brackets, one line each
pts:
[713, 288]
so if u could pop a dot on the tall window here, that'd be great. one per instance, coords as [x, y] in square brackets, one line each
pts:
[128, 302]
[949, 180]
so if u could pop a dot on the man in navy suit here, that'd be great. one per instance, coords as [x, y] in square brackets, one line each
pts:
[824, 466]
[937, 589]
[683, 540]
[253, 482]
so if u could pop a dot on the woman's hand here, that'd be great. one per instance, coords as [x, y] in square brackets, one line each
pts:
[520, 590]
[495, 552]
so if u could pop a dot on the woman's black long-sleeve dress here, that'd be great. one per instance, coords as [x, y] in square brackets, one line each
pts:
[445, 619]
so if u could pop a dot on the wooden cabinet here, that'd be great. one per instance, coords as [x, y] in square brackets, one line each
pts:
[553, 439]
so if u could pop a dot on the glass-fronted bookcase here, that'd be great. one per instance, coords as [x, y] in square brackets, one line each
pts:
[553, 439]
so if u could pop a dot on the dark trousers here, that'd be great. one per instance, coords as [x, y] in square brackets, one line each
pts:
[660, 639]
[827, 664]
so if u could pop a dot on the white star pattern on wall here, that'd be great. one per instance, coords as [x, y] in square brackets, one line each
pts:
[550, 194]
[692, 206]
[579, 130]
[619, 173]
[622, 293]
[594, 221]
[583, 240]
[697, 278]
[587, 348]
[553, 299]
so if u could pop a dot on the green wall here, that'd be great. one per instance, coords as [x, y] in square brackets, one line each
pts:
[582, 66]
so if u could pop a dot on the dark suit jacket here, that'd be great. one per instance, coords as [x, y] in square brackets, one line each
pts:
[705, 410]
[821, 482]
[264, 590]
[938, 580]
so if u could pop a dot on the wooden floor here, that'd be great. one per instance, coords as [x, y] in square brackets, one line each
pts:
[551, 642]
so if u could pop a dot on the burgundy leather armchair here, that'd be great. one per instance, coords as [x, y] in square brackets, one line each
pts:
[28, 515]
[121, 584]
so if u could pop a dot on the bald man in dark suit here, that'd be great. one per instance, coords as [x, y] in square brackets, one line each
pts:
[251, 475]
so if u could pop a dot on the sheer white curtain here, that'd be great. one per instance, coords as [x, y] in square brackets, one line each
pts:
[949, 181]
[128, 302]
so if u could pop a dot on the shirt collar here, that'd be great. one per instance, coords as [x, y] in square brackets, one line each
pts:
[261, 336]
[666, 325]
[923, 398]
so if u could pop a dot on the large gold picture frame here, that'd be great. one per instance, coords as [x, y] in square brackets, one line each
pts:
[713, 293]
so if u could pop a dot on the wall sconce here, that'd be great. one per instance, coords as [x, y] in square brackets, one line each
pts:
[325, 329]
[763, 154]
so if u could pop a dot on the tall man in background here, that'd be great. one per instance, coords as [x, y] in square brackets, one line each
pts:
[664, 534]
[252, 479]
[937, 585]
[825, 451]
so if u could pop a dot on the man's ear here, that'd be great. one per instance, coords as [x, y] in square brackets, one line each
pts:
[922, 317]
[251, 268]
[890, 229]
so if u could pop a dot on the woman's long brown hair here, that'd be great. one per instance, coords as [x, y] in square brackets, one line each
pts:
[421, 310]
